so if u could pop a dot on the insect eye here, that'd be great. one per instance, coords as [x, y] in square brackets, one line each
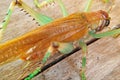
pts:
[107, 22]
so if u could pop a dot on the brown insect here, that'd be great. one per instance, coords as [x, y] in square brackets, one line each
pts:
[34, 44]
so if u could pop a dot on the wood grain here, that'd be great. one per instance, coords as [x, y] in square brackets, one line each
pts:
[104, 55]
[103, 63]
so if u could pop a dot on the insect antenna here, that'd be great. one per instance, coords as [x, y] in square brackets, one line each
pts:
[111, 7]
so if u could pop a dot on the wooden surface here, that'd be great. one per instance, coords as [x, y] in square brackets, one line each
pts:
[103, 59]
[103, 63]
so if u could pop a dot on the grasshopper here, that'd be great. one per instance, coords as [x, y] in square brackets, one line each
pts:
[54, 35]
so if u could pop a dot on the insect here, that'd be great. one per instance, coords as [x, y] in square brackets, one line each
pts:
[54, 35]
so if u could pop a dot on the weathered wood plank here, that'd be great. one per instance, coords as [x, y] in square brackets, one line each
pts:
[103, 63]
[24, 24]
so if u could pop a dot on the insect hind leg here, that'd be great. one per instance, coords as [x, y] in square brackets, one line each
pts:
[40, 18]
[55, 46]
[48, 53]
[5, 22]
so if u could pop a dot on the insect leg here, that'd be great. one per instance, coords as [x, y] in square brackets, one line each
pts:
[87, 8]
[63, 9]
[7, 18]
[84, 53]
[40, 18]
[44, 60]
[89, 3]
[65, 48]
[116, 27]
[105, 1]
[55, 46]
[46, 2]
[105, 34]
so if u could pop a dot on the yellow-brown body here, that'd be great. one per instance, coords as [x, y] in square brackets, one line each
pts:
[68, 29]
